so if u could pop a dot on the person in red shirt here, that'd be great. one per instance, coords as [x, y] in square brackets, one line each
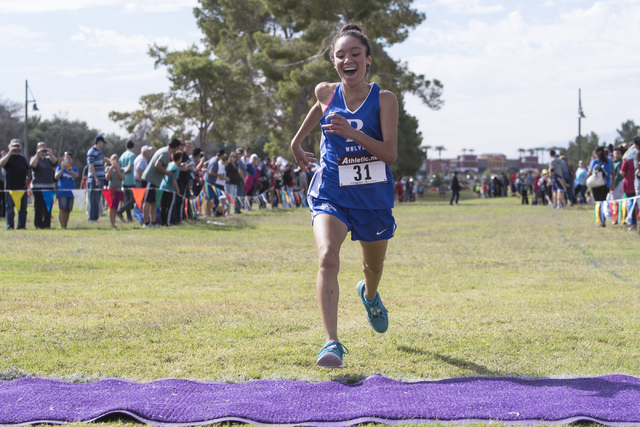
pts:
[627, 170]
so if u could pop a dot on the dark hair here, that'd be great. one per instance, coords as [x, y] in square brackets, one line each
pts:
[196, 151]
[619, 149]
[552, 152]
[354, 30]
[601, 154]
[177, 156]
[636, 140]
[175, 143]
[130, 144]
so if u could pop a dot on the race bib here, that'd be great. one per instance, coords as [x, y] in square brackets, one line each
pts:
[361, 170]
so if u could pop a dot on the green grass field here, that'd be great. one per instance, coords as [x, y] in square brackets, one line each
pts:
[488, 288]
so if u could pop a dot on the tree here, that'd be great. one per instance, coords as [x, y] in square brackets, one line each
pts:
[426, 148]
[628, 130]
[206, 95]
[521, 151]
[409, 150]
[10, 124]
[440, 149]
[588, 144]
[284, 45]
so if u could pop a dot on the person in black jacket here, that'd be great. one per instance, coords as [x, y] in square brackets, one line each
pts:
[18, 177]
[455, 188]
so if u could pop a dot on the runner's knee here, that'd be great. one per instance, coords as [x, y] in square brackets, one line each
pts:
[373, 268]
[328, 259]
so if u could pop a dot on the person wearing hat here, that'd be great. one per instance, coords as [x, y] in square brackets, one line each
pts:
[153, 175]
[95, 178]
[18, 177]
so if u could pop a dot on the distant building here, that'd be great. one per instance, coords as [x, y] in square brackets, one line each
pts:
[471, 163]
[495, 162]
[468, 163]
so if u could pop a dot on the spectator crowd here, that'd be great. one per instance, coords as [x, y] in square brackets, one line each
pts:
[610, 181]
[166, 187]
[177, 183]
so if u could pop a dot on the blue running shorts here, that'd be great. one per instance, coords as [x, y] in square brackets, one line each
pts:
[367, 225]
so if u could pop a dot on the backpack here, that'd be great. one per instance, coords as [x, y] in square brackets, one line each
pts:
[597, 177]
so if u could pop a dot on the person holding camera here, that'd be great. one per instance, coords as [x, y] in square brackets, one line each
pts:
[17, 177]
[66, 176]
[42, 164]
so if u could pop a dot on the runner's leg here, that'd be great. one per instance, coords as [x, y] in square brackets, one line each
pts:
[373, 254]
[329, 232]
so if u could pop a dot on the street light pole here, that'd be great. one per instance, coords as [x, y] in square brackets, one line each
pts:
[580, 117]
[26, 115]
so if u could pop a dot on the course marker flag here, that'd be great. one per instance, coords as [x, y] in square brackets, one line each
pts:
[48, 196]
[16, 195]
[138, 196]
[78, 197]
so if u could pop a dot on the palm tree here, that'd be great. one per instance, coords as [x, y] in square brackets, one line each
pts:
[440, 149]
[531, 151]
[521, 151]
[471, 150]
[464, 151]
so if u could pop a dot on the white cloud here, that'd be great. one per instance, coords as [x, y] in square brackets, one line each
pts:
[16, 36]
[97, 38]
[75, 72]
[469, 6]
[42, 6]
[143, 76]
[519, 76]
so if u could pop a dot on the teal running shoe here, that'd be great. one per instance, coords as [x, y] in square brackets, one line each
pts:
[331, 355]
[376, 312]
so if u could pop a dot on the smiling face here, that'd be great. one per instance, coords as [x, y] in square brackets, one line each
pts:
[350, 60]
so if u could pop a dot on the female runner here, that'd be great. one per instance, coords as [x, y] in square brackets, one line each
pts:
[353, 189]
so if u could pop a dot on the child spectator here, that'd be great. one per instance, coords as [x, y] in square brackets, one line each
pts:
[559, 189]
[66, 176]
[114, 176]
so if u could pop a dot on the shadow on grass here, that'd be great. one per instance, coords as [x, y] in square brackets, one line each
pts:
[606, 386]
[459, 363]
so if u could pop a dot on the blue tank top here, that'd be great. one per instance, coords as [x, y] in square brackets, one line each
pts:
[349, 175]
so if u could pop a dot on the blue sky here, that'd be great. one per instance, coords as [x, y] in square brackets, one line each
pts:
[511, 69]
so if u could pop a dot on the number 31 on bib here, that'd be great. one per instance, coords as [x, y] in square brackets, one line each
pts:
[361, 170]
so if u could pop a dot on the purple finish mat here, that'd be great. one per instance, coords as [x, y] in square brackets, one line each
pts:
[610, 400]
